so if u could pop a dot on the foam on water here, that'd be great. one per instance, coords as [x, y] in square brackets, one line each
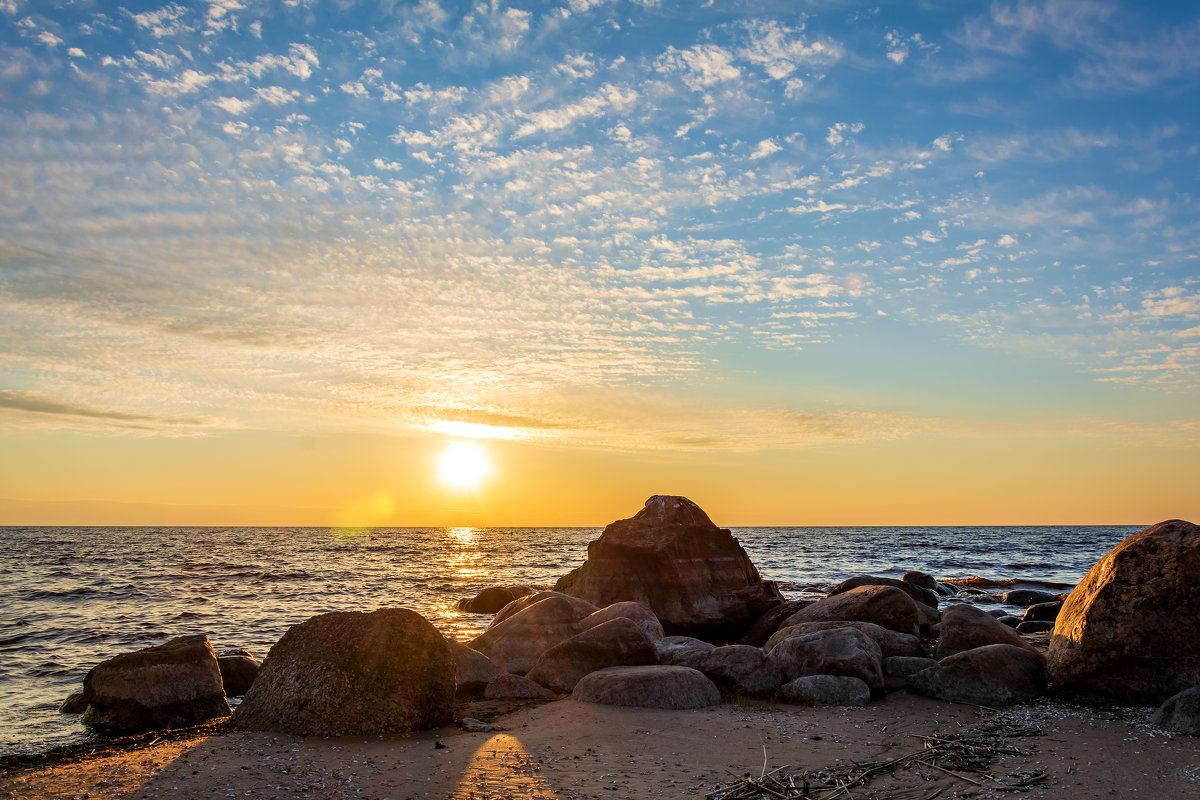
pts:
[72, 597]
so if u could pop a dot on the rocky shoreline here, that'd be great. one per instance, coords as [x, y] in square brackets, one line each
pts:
[668, 612]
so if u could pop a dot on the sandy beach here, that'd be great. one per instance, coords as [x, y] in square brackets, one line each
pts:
[567, 749]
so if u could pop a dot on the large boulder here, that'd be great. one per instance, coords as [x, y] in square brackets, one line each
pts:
[172, 685]
[965, 627]
[885, 606]
[678, 649]
[694, 576]
[993, 675]
[518, 641]
[1130, 631]
[891, 643]
[648, 687]
[618, 642]
[838, 651]
[352, 673]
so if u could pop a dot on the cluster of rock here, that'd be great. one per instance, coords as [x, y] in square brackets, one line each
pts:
[668, 612]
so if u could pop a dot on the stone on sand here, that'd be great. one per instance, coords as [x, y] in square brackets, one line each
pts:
[648, 687]
[172, 685]
[350, 673]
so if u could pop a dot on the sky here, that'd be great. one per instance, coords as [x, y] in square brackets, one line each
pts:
[809, 263]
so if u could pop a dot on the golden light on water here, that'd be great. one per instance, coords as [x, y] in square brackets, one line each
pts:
[464, 466]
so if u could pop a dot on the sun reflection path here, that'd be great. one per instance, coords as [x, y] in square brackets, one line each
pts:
[502, 769]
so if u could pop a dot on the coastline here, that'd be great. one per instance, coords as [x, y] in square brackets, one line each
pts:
[567, 749]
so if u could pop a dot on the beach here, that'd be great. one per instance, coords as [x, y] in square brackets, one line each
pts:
[567, 749]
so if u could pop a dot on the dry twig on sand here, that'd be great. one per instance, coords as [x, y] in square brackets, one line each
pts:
[973, 751]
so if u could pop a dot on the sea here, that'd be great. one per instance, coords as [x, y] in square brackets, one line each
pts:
[71, 597]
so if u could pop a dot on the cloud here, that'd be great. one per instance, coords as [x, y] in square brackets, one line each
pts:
[837, 132]
[38, 405]
[700, 67]
[608, 99]
[765, 148]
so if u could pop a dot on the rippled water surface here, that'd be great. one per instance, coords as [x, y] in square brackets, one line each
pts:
[72, 597]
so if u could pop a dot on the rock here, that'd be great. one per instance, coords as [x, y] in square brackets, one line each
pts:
[238, 670]
[891, 643]
[924, 580]
[1009, 620]
[619, 642]
[640, 613]
[738, 668]
[581, 607]
[761, 629]
[1180, 713]
[519, 641]
[1043, 612]
[694, 576]
[903, 666]
[839, 651]
[919, 594]
[1130, 633]
[348, 673]
[965, 627]
[1027, 597]
[885, 606]
[519, 591]
[1035, 626]
[997, 613]
[489, 601]
[992, 675]
[648, 687]
[75, 703]
[473, 671]
[827, 690]
[172, 685]
[678, 647]
[472, 725]
[515, 687]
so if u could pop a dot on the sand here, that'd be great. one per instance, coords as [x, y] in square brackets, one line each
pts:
[567, 749]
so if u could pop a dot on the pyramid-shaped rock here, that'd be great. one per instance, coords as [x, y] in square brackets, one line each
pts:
[695, 576]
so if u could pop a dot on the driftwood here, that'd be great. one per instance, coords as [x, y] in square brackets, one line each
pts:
[971, 751]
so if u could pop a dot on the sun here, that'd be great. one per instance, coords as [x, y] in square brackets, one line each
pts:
[463, 466]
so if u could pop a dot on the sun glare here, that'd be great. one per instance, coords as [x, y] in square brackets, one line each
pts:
[463, 466]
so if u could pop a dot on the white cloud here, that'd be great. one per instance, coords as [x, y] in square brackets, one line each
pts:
[837, 132]
[701, 66]
[188, 81]
[608, 99]
[781, 50]
[49, 39]
[765, 148]
[233, 105]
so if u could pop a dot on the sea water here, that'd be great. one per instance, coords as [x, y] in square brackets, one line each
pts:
[73, 597]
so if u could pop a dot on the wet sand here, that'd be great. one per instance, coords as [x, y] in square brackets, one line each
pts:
[567, 749]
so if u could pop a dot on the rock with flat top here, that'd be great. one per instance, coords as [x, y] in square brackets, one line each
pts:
[172, 685]
[891, 643]
[349, 673]
[694, 576]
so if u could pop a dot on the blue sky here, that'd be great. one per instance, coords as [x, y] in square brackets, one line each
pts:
[675, 226]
